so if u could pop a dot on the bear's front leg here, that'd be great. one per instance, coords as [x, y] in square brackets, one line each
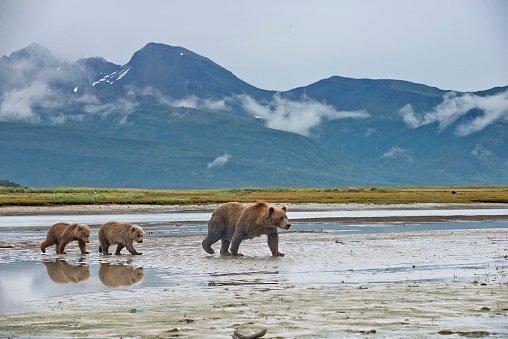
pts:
[238, 237]
[82, 247]
[273, 243]
[131, 249]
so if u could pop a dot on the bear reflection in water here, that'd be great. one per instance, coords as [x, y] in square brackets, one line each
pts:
[120, 275]
[62, 272]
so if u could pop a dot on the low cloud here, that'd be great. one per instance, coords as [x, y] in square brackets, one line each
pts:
[369, 131]
[295, 116]
[17, 104]
[123, 106]
[191, 101]
[219, 161]
[481, 152]
[455, 106]
[206, 104]
[397, 152]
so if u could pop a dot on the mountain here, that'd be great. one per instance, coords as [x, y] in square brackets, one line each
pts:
[172, 118]
[384, 97]
[96, 67]
[178, 73]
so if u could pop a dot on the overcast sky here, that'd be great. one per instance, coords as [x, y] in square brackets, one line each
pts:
[461, 45]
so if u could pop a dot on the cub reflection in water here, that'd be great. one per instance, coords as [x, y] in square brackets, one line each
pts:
[120, 275]
[62, 272]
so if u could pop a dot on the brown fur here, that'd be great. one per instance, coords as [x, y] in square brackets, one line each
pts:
[120, 275]
[121, 234]
[62, 233]
[234, 222]
[62, 272]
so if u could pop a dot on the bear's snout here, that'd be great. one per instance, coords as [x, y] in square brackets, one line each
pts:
[140, 241]
[287, 226]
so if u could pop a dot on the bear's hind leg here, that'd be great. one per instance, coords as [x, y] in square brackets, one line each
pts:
[104, 247]
[210, 239]
[224, 249]
[119, 248]
[61, 247]
[46, 243]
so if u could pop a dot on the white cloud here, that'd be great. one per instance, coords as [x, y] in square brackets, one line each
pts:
[123, 106]
[481, 152]
[396, 152]
[191, 101]
[219, 161]
[454, 106]
[295, 116]
[409, 116]
[18, 104]
[369, 131]
[195, 102]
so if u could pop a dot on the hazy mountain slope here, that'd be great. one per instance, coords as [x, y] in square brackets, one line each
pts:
[162, 148]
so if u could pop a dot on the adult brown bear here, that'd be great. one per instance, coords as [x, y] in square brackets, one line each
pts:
[234, 222]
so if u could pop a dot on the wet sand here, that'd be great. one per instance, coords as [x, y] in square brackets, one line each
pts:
[328, 284]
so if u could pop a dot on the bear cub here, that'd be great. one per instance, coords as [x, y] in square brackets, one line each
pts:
[62, 233]
[234, 222]
[121, 234]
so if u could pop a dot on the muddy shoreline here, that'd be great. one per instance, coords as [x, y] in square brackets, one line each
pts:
[138, 209]
[394, 284]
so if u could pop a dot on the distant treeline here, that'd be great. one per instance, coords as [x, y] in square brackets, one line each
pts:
[8, 183]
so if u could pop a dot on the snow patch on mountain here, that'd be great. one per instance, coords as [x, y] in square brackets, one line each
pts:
[123, 73]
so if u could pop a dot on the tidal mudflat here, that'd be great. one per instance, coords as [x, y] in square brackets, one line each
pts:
[336, 279]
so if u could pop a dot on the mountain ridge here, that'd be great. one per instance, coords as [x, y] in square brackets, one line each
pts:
[162, 118]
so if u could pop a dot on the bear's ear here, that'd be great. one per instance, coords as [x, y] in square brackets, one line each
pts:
[270, 211]
[284, 208]
[133, 229]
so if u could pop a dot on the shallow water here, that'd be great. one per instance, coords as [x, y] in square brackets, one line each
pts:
[188, 229]
[317, 255]
[94, 219]
[336, 278]
[28, 282]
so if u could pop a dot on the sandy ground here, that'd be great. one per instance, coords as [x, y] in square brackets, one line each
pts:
[327, 285]
[111, 209]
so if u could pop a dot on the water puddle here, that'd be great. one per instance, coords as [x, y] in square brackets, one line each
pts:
[26, 284]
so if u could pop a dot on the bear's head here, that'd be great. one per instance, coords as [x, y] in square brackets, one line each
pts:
[278, 217]
[82, 232]
[136, 233]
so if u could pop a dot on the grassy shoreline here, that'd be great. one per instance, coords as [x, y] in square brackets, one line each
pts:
[96, 196]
